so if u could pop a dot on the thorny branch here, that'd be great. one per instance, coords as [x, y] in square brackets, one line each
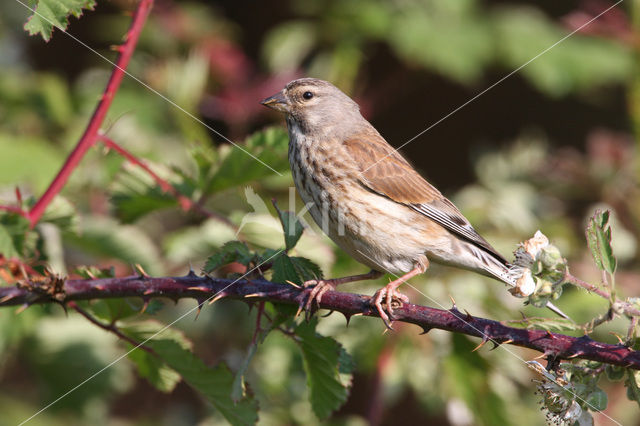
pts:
[551, 345]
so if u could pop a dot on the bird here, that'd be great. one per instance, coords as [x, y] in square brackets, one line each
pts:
[370, 200]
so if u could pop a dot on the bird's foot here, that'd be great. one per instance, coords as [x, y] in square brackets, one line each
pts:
[392, 299]
[318, 289]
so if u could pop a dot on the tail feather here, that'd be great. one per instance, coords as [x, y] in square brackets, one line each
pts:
[506, 272]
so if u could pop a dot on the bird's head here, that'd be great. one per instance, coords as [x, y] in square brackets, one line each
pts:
[313, 104]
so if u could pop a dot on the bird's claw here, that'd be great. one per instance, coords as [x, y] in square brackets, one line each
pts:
[392, 299]
[318, 289]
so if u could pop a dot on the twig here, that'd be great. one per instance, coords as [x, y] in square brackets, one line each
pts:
[185, 202]
[90, 134]
[589, 287]
[108, 327]
[192, 286]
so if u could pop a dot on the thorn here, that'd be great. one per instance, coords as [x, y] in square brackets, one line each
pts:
[454, 307]
[7, 297]
[198, 288]
[191, 273]
[327, 314]
[100, 287]
[293, 284]
[549, 335]
[425, 330]
[149, 291]
[142, 273]
[495, 345]
[577, 354]
[254, 295]
[506, 342]
[543, 355]
[484, 342]
[620, 341]
[468, 317]
[201, 302]
[146, 304]
[300, 307]
[216, 298]
[22, 308]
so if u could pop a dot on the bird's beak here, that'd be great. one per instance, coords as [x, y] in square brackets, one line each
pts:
[277, 102]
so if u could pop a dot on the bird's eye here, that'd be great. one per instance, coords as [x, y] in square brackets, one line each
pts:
[307, 95]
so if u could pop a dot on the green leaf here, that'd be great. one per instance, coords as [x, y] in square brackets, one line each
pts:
[232, 251]
[152, 368]
[215, 383]
[62, 213]
[135, 194]
[597, 400]
[238, 167]
[17, 239]
[599, 241]
[323, 360]
[306, 269]
[284, 271]
[291, 226]
[578, 63]
[7, 247]
[615, 373]
[54, 13]
[633, 392]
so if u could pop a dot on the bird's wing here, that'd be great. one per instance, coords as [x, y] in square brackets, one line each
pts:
[384, 171]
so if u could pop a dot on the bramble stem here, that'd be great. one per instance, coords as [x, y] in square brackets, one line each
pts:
[202, 288]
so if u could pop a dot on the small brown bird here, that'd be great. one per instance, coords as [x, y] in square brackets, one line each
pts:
[369, 199]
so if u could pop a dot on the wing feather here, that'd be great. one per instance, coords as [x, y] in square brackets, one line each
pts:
[384, 171]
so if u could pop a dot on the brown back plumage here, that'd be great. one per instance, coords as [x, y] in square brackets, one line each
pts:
[384, 171]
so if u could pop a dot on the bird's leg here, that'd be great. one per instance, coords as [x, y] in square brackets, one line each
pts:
[389, 292]
[320, 287]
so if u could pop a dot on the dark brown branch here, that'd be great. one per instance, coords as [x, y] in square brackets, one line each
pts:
[203, 288]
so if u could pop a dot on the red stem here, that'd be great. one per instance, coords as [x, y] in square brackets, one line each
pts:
[90, 135]
[185, 202]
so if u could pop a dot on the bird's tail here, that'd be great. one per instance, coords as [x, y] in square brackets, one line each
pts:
[509, 274]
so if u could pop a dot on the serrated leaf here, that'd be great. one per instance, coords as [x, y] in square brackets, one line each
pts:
[135, 194]
[306, 269]
[62, 213]
[237, 167]
[599, 241]
[152, 368]
[284, 271]
[17, 239]
[215, 383]
[322, 358]
[55, 13]
[232, 251]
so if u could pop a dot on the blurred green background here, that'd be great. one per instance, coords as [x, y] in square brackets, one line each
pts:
[540, 150]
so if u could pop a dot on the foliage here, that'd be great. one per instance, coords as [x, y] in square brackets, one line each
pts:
[54, 13]
[191, 209]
